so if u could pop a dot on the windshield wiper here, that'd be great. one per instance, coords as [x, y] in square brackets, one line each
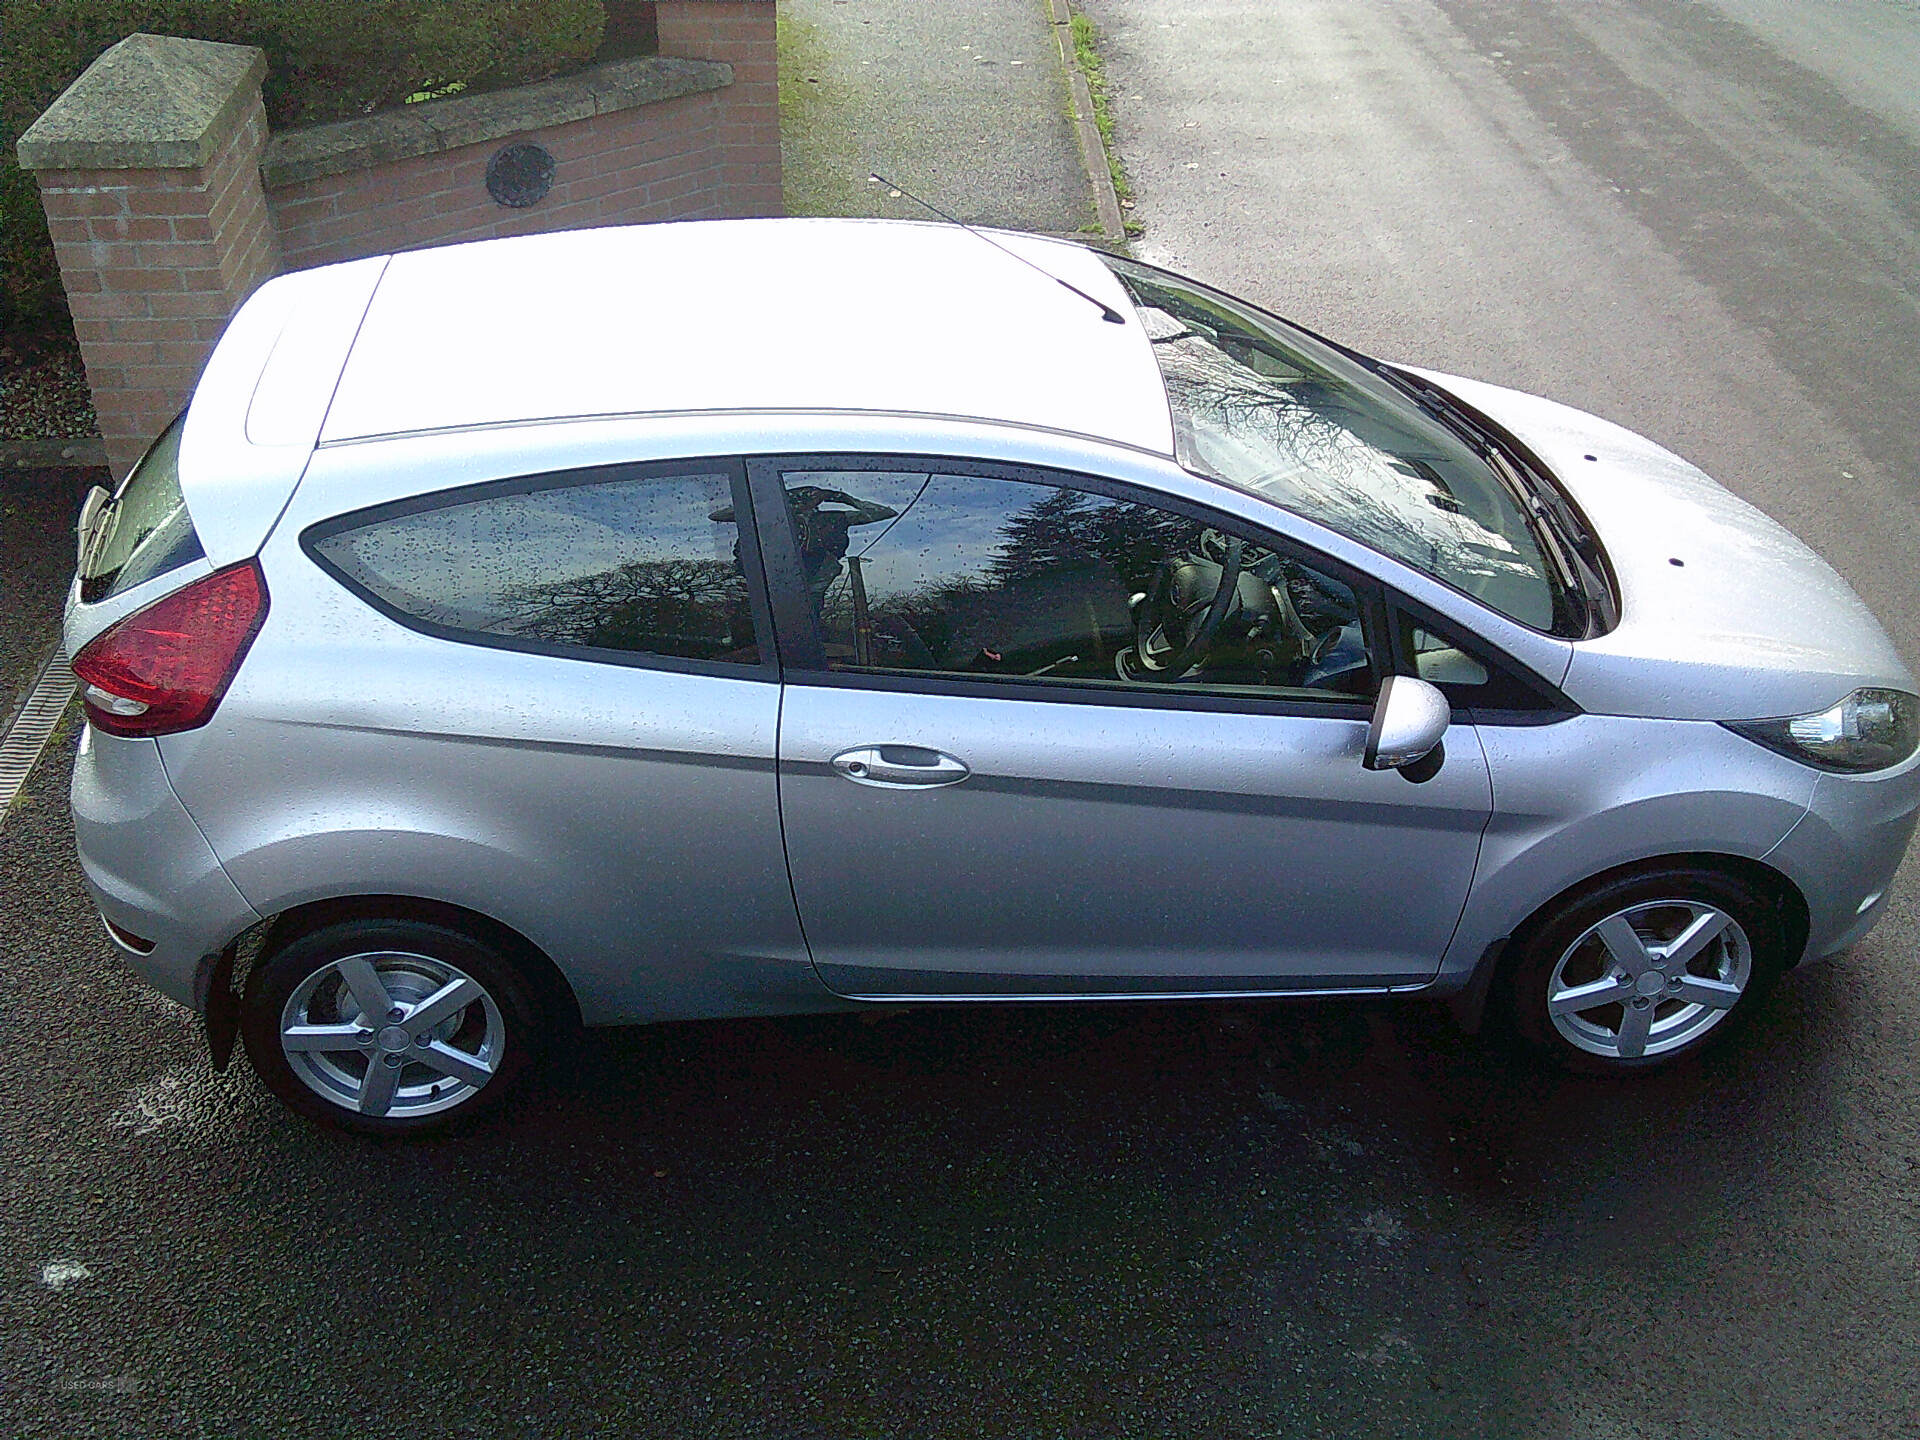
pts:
[1544, 496]
[1442, 406]
[1556, 526]
[1475, 430]
[1554, 542]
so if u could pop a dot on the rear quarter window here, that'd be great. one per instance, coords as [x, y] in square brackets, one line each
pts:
[145, 531]
[637, 566]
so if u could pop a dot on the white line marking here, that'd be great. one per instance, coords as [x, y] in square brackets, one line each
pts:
[58, 1274]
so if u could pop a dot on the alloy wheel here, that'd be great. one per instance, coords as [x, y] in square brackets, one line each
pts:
[1649, 979]
[391, 1034]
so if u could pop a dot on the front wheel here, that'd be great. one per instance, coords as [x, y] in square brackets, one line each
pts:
[389, 1027]
[1643, 971]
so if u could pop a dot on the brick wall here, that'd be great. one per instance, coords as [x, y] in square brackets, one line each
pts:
[155, 262]
[151, 173]
[655, 162]
[742, 33]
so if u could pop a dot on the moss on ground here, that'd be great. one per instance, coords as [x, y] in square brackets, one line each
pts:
[1086, 54]
[825, 162]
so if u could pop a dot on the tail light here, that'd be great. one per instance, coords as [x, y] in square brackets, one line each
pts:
[163, 669]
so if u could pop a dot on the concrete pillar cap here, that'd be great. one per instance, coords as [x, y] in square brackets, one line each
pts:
[152, 102]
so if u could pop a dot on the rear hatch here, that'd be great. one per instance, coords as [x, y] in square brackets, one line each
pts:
[226, 468]
[159, 613]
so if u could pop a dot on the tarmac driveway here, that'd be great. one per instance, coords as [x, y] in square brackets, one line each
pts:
[1207, 1220]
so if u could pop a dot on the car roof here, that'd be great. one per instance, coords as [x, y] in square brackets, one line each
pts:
[750, 315]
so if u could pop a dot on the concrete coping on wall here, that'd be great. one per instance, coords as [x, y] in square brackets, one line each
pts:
[345, 145]
[152, 102]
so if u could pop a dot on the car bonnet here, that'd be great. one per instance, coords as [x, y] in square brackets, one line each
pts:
[1724, 613]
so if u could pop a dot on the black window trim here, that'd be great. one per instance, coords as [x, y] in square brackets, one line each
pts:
[804, 654]
[1084, 692]
[1548, 705]
[768, 667]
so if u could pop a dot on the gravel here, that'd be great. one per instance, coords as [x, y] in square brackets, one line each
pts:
[44, 394]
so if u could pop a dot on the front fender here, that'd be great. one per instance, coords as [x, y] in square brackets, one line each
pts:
[1592, 793]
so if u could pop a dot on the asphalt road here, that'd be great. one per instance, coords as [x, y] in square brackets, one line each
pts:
[1193, 1221]
[1702, 221]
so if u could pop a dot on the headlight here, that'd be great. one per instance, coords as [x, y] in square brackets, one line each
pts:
[1869, 730]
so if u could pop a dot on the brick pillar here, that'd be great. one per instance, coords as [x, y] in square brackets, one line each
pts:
[149, 171]
[742, 33]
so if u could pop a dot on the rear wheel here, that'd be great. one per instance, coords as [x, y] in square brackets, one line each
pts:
[389, 1027]
[1644, 970]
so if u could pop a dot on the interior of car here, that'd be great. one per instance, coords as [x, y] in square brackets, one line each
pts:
[1192, 606]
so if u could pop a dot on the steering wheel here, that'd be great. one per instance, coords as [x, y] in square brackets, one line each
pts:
[1214, 545]
[1155, 655]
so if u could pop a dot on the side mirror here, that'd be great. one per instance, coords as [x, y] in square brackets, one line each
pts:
[1408, 721]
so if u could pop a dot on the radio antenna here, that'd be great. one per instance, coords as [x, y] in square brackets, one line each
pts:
[1107, 312]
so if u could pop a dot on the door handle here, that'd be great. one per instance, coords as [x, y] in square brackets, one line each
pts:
[911, 767]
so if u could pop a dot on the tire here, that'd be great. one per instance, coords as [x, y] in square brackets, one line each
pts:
[413, 1072]
[1603, 983]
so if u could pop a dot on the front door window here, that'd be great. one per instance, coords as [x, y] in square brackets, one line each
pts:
[923, 572]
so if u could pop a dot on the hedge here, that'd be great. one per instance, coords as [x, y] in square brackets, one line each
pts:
[326, 60]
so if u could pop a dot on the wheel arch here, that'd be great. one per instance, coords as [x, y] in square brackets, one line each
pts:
[556, 994]
[1469, 1005]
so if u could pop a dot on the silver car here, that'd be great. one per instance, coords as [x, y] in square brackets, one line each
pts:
[750, 618]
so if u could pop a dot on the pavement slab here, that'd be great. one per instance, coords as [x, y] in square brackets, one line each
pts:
[966, 105]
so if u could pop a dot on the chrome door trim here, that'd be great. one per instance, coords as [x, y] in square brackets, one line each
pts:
[1326, 992]
[900, 767]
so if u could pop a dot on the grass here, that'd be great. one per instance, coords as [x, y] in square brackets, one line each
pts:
[1086, 54]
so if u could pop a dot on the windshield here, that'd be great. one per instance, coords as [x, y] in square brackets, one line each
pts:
[1268, 409]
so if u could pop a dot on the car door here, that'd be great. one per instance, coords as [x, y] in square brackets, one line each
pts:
[1006, 770]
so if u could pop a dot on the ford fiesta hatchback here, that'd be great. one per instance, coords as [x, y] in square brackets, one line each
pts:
[773, 616]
